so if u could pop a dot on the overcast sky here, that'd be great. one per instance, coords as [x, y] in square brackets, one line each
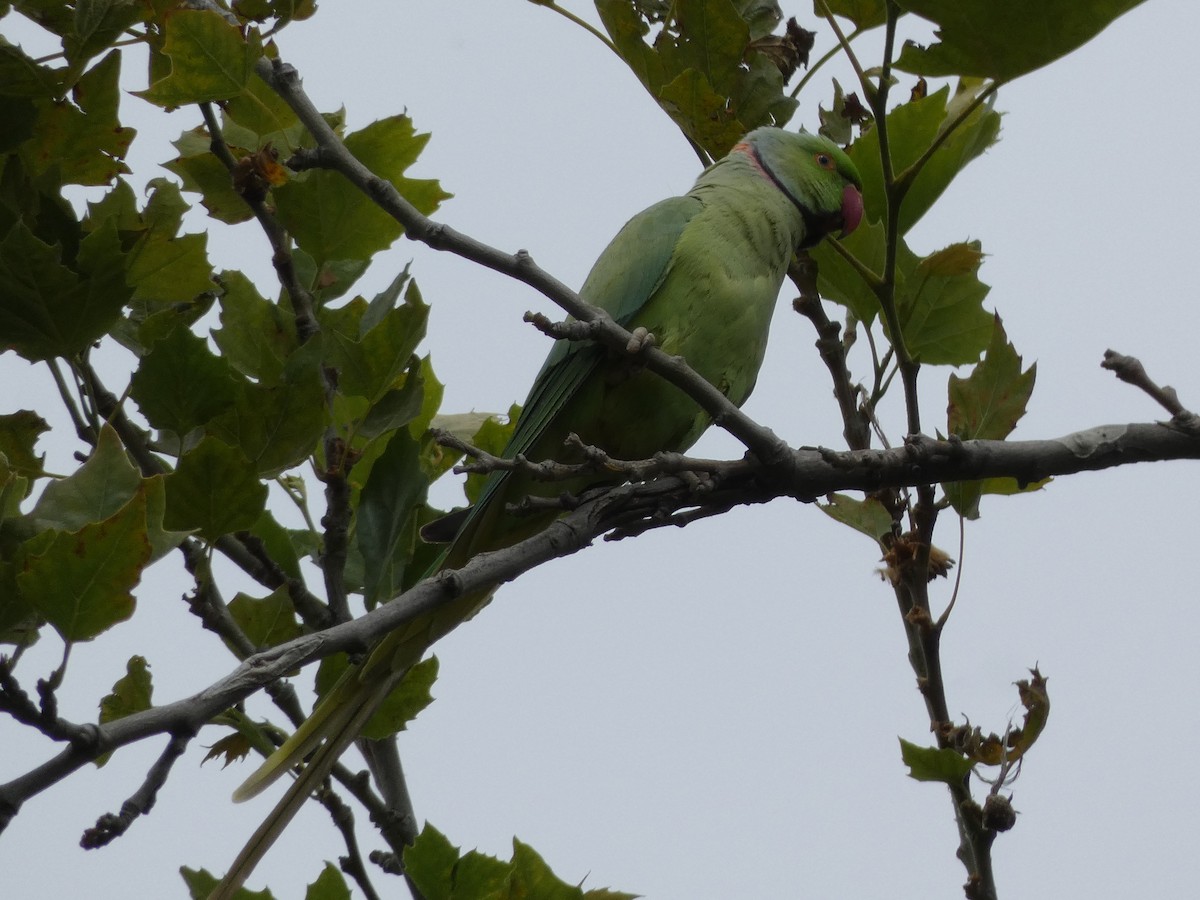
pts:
[713, 712]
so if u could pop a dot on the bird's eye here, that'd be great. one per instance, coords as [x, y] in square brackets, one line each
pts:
[825, 161]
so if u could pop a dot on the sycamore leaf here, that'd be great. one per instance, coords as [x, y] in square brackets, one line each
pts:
[81, 581]
[370, 352]
[214, 490]
[181, 384]
[19, 432]
[934, 764]
[209, 59]
[267, 621]
[130, 694]
[119, 203]
[202, 173]
[386, 517]
[1004, 40]
[989, 402]
[22, 77]
[837, 279]
[259, 116]
[166, 270]
[94, 491]
[912, 129]
[705, 66]
[442, 872]
[333, 220]
[256, 336]
[278, 544]
[49, 309]
[401, 706]
[940, 304]
[19, 619]
[83, 142]
[330, 885]
[868, 516]
[278, 425]
[98, 23]
[231, 748]
[701, 112]
[987, 405]
[162, 540]
[492, 437]
[863, 13]
[201, 883]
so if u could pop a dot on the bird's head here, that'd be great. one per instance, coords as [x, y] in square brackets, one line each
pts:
[814, 173]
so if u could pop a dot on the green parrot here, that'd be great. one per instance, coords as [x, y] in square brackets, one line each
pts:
[702, 273]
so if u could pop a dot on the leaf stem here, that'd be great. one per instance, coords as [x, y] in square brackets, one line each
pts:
[586, 26]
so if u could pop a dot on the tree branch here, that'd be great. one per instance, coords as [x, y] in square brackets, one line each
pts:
[811, 474]
[331, 153]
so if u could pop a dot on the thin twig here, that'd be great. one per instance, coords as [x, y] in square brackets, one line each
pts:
[109, 826]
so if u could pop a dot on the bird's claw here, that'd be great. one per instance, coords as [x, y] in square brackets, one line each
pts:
[640, 339]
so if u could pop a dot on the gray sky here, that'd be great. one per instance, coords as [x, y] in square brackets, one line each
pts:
[713, 712]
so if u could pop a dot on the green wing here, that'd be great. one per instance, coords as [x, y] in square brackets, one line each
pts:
[624, 278]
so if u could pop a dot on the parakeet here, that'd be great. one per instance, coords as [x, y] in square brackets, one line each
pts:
[701, 273]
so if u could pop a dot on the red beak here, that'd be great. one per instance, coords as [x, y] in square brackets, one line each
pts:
[852, 209]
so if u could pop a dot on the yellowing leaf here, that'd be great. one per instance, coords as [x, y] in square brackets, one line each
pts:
[210, 59]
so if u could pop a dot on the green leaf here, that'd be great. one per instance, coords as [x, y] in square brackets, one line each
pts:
[204, 174]
[330, 885]
[259, 116]
[933, 764]
[701, 112]
[992, 399]
[118, 204]
[492, 437]
[181, 384]
[396, 408]
[371, 357]
[18, 435]
[278, 425]
[987, 405]
[130, 694]
[215, 490]
[333, 220]
[93, 492]
[48, 309]
[386, 517]
[166, 270]
[20, 76]
[912, 129]
[83, 142]
[98, 23]
[81, 581]
[839, 281]
[441, 872]
[401, 706]
[256, 336]
[1004, 40]
[162, 541]
[703, 67]
[210, 59]
[201, 883]
[19, 620]
[940, 304]
[863, 13]
[267, 621]
[430, 862]
[868, 516]
[278, 544]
